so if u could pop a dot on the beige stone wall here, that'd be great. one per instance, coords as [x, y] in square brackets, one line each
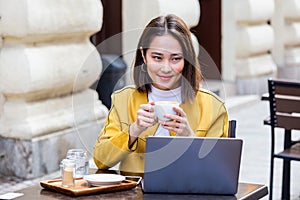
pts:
[247, 39]
[260, 39]
[286, 51]
[47, 65]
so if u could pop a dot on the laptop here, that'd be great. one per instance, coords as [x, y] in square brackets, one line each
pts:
[197, 165]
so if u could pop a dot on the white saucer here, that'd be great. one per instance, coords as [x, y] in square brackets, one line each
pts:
[104, 179]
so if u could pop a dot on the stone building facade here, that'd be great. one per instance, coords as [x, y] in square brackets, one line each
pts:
[47, 64]
[260, 40]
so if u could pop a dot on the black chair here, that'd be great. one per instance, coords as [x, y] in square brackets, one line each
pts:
[284, 101]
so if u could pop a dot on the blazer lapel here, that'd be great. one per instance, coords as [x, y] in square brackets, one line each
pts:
[192, 112]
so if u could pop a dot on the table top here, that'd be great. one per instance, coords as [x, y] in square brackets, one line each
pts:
[245, 191]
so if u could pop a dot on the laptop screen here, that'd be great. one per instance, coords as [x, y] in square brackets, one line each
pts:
[192, 165]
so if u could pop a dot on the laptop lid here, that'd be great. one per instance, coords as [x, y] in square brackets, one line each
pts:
[192, 165]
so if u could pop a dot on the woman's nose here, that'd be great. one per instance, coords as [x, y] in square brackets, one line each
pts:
[166, 67]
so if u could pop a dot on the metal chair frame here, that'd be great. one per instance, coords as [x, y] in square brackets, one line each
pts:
[232, 128]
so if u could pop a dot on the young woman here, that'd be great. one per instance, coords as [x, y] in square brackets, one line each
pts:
[166, 68]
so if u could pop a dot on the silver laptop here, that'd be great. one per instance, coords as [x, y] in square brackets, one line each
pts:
[192, 165]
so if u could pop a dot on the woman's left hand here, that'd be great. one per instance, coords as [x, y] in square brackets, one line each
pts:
[178, 123]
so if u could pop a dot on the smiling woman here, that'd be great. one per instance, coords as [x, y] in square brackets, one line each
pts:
[164, 62]
[165, 69]
[171, 35]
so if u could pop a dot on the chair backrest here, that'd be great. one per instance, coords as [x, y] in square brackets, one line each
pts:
[232, 128]
[284, 97]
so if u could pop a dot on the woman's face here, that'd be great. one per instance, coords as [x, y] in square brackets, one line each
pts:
[165, 62]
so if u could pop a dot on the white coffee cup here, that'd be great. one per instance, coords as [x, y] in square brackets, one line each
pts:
[164, 107]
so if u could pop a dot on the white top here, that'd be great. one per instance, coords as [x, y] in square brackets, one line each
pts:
[164, 95]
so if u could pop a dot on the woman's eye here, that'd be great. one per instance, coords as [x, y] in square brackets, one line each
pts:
[176, 59]
[156, 57]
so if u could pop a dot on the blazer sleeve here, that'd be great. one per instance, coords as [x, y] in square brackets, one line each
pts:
[112, 144]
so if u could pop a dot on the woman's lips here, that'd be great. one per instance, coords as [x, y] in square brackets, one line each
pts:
[165, 78]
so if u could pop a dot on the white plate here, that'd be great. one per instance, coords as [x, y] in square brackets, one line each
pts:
[104, 179]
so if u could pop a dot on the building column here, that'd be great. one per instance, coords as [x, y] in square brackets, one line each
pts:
[47, 64]
[286, 50]
[247, 39]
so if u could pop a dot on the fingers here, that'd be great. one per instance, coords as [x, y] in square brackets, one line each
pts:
[146, 121]
[181, 128]
[180, 116]
[177, 123]
[179, 111]
[147, 107]
[145, 115]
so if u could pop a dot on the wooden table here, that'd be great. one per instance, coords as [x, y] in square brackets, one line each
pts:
[245, 191]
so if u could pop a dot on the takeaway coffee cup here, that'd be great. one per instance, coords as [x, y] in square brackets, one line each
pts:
[164, 107]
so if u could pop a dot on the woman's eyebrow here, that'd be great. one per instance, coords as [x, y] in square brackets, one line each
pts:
[176, 54]
[172, 54]
[156, 53]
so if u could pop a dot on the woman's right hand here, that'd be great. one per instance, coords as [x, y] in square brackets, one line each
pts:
[145, 116]
[145, 119]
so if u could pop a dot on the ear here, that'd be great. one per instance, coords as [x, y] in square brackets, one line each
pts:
[142, 52]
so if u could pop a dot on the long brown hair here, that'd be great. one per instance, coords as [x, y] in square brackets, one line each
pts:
[175, 26]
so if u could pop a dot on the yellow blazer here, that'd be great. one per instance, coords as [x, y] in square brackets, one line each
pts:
[207, 116]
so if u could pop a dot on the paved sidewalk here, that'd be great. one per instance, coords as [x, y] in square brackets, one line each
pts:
[249, 112]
